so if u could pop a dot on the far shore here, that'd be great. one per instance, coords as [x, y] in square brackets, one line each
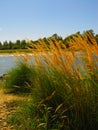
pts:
[14, 54]
[6, 54]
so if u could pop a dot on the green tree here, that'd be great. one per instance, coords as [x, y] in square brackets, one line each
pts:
[23, 44]
[11, 45]
[96, 38]
[0, 46]
[18, 44]
[5, 45]
[57, 36]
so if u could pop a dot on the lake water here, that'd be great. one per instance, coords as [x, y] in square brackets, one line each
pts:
[6, 63]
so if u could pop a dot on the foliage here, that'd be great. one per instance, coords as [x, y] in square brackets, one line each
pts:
[13, 45]
[18, 79]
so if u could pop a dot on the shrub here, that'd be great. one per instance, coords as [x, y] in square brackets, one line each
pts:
[18, 78]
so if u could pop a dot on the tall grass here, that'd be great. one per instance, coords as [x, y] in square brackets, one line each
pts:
[18, 79]
[64, 87]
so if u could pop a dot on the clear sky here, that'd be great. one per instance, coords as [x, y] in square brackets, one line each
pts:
[20, 19]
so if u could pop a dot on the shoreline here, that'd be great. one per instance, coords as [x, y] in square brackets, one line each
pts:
[6, 54]
[15, 54]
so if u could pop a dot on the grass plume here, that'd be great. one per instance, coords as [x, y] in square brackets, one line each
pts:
[64, 85]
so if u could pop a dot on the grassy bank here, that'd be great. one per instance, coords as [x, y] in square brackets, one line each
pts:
[14, 51]
[63, 85]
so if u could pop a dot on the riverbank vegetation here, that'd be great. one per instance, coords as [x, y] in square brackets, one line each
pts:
[63, 84]
[14, 51]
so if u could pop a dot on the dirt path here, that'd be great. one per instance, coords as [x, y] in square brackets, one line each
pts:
[7, 107]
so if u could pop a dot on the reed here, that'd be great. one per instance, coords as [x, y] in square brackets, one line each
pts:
[64, 84]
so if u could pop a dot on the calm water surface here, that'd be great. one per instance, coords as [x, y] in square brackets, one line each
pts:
[6, 63]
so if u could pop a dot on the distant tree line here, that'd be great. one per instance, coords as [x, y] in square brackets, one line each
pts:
[24, 44]
[13, 45]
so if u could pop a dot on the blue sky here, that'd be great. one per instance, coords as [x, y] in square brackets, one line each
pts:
[20, 19]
